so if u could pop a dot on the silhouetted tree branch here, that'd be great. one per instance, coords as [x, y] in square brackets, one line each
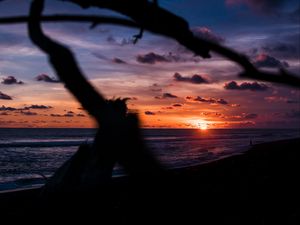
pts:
[160, 21]
[191, 42]
[95, 20]
[118, 138]
[66, 66]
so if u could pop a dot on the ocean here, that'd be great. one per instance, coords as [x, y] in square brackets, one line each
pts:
[29, 155]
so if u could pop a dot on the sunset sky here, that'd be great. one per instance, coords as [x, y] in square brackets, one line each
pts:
[167, 85]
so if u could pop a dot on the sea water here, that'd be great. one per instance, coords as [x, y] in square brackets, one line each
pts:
[28, 155]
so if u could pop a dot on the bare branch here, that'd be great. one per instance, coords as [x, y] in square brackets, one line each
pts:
[72, 18]
[65, 65]
[119, 131]
[182, 34]
[160, 21]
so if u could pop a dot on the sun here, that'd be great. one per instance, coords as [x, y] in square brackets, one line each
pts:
[202, 126]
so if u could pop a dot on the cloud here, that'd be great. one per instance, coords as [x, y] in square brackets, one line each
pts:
[168, 107]
[37, 107]
[113, 60]
[131, 98]
[277, 99]
[250, 116]
[264, 60]
[62, 115]
[11, 80]
[5, 96]
[213, 101]
[99, 56]
[46, 78]
[213, 114]
[121, 42]
[149, 113]
[283, 46]
[241, 117]
[55, 115]
[177, 105]
[207, 34]
[28, 113]
[69, 114]
[195, 79]
[282, 49]
[166, 95]
[233, 85]
[80, 115]
[151, 58]
[155, 88]
[266, 6]
[4, 108]
[118, 61]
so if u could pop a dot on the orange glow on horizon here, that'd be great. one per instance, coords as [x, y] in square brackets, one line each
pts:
[203, 126]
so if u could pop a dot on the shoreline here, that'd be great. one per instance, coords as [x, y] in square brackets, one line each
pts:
[176, 170]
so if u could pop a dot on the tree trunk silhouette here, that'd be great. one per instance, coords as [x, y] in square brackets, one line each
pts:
[118, 139]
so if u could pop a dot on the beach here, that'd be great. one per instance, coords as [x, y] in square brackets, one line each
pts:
[28, 155]
[257, 187]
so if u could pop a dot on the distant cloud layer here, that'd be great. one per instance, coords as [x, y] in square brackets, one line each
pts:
[151, 58]
[122, 42]
[46, 78]
[233, 85]
[285, 48]
[177, 105]
[65, 115]
[208, 34]
[195, 79]
[118, 61]
[259, 5]
[5, 96]
[277, 99]
[250, 116]
[29, 113]
[149, 113]
[264, 60]
[220, 101]
[4, 108]
[11, 80]
[166, 95]
[37, 107]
